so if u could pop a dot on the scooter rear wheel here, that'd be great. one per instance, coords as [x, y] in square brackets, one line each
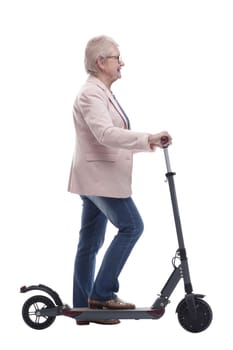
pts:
[31, 312]
[200, 322]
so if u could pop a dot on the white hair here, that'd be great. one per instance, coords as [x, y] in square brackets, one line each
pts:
[99, 46]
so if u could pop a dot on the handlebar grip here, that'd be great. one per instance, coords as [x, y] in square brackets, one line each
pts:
[164, 141]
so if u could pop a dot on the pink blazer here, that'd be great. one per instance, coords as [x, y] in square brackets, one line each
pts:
[103, 155]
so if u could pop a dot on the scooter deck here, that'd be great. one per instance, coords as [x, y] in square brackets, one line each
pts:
[85, 314]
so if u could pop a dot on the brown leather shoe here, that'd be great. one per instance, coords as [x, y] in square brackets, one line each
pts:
[110, 304]
[104, 322]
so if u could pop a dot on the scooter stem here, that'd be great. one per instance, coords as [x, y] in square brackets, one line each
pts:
[167, 159]
[182, 251]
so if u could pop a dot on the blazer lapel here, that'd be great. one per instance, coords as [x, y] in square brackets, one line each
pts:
[111, 98]
[119, 109]
[114, 103]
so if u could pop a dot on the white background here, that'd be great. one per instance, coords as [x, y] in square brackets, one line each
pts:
[178, 76]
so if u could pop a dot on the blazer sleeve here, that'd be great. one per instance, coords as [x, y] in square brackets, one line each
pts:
[94, 108]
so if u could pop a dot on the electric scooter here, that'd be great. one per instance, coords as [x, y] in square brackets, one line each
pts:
[194, 314]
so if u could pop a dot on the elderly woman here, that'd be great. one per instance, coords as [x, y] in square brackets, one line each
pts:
[101, 174]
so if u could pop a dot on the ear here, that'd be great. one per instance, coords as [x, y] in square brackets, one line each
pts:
[100, 63]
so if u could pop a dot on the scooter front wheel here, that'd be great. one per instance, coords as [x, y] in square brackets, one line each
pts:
[31, 312]
[202, 319]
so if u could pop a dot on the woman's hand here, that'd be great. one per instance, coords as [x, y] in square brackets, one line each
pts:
[162, 139]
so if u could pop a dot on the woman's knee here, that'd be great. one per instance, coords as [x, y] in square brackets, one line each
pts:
[134, 228]
[139, 227]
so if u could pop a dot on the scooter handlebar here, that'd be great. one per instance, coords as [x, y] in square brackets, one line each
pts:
[164, 141]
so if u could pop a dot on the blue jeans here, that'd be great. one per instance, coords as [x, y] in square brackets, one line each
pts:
[123, 214]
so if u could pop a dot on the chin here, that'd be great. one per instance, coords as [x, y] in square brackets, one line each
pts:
[116, 78]
[119, 75]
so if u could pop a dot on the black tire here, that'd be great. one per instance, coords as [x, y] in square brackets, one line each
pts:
[30, 312]
[201, 322]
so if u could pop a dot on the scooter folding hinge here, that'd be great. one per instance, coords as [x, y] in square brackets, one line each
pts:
[182, 254]
[161, 302]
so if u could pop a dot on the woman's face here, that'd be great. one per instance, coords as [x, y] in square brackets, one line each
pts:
[112, 65]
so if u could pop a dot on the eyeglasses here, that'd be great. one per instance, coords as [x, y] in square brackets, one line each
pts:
[118, 58]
